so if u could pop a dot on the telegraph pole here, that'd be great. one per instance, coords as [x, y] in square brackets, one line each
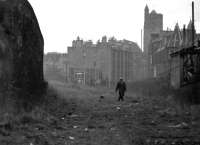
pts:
[193, 24]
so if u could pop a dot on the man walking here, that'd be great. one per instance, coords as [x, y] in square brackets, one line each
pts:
[121, 87]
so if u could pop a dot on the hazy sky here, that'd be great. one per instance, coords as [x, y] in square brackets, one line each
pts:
[61, 21]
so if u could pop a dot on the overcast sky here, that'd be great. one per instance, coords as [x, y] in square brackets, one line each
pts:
[61, 21]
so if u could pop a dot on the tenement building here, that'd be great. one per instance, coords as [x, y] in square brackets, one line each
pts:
[105, 62]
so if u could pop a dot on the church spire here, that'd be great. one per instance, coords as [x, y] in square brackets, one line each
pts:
[146, 9]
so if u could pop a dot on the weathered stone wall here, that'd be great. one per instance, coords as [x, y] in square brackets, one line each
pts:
[21, 47]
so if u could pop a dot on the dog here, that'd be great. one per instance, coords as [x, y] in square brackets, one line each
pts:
[101, 98]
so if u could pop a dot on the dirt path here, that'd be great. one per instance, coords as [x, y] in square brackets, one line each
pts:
[95, 121]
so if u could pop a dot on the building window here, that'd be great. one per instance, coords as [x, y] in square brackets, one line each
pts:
[154, 72]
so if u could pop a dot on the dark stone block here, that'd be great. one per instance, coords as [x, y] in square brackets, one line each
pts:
[21, 47]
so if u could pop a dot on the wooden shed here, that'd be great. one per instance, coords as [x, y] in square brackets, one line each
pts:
[185, 67]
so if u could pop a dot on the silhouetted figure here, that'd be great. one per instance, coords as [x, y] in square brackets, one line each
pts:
[121, 87]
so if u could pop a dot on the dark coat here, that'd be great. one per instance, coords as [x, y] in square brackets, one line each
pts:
[121, 87]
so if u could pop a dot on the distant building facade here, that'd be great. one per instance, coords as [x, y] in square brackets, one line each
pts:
[104, 62]
[82, 62]
[55, 65]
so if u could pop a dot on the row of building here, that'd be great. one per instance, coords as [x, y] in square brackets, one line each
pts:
[104, 62]
[92, 64]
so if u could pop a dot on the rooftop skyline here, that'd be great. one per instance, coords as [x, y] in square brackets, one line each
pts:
[62, 21]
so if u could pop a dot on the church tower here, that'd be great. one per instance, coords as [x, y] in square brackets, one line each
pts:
[153, 23]
[146, 31]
